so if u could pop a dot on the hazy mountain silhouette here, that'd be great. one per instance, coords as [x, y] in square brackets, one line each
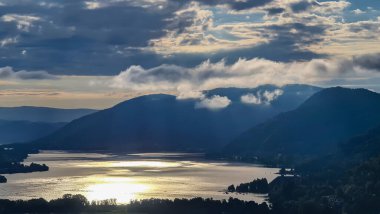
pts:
[42, 114]
[327, 118]
[161, 122]
[23, 131]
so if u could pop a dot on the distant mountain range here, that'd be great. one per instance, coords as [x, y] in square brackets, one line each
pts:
[327, 118]
[42, 114]
[23, 131]
[27, 123]
[162, 122]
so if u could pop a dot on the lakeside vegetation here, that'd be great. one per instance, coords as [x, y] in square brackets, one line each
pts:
[3, 179]
[260, 186]
[11, 158]
[79, 204]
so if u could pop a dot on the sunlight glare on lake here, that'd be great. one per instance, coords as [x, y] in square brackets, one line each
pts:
[152, 164]
[132, 177]
[133, 164]
[121, 189]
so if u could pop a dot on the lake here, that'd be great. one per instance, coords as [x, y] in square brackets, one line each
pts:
[132, 176]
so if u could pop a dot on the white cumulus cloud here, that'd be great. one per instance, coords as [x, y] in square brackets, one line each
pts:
[251, 99]
[246, 73]
[184, 95]
[214, 103]
[266, 97]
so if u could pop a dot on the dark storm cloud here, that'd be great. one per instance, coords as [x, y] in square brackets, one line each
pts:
[275, 11]
[287, 43]
[67, 38]
[368, 61]
[117, 25]
[243, 5]
[234, 4]
[302, 5]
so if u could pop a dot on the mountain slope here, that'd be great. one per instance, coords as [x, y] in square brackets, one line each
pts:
[330, 116]
[42, 114]
[364, 146]
[23, 131]
[161, 122]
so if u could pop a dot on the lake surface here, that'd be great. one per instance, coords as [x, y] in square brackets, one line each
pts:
[130, 177]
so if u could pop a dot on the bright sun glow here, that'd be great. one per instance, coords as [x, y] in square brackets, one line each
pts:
[121, 189]
[150, 164]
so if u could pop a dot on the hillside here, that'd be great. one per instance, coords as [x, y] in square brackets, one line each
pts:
[42, 114]
[162, 122]
[23, 131]
[327, 118]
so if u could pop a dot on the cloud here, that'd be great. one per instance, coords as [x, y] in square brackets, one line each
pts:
[214, 103]
[185, 95]
[102, 37]
[275, 10]
[243, 73]
[358, 11]
[9, 73]
[266, 97]
[303, 5]
[243, 5]
[251, 99]
[236, 4]
[368, 61]
[23, 22]
[8, 41]
[76, 37]
[270, 96]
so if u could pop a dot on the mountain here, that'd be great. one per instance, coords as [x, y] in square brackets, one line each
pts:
[42, 114]
[162, 122]
[23, 131]
[364, 146]
[327, 118]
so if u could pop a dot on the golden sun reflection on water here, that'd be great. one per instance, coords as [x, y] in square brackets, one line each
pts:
[152, 164]
[134, 164]
[122, 189]
[127, 178]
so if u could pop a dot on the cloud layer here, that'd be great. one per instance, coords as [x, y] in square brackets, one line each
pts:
[245, 73]
[102, 37]
[261, 98]
[9, 73]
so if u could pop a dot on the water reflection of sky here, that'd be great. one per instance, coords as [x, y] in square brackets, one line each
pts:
[130, 177]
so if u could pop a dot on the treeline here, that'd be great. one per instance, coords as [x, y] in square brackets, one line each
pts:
[347, 181]
[256, 186]
[12, 168]
[11, 158]
[3, 179]
[197, 205]
[330, 190]
[79, 204]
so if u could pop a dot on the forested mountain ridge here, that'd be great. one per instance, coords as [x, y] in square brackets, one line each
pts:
[327, 118]
[165, 123]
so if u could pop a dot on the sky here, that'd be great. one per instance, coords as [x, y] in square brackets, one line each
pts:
[96, 53]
